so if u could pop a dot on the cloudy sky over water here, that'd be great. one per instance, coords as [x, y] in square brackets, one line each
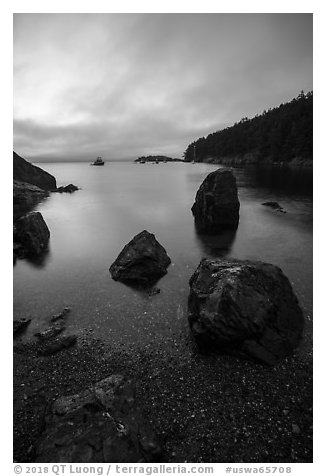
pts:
[124, 85]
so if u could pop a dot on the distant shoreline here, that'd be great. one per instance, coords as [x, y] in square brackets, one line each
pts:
[227, 161]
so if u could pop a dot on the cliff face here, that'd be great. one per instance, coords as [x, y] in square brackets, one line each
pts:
[26, 172]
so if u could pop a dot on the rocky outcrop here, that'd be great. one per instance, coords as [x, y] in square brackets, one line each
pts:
[216, 204]
[61, 315]
[99, 424]
[275, 206]
[68, 188]
[24, 171]
[20, 325]
[142, 261]
[32, 233]
[52, 332]
[51, 340]
[244, 308]
[25, 197]
[30, 186]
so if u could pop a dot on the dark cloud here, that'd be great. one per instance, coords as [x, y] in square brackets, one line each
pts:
[121, 85]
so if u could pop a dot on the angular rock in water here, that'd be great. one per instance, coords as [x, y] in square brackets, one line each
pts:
[50, 342]
[51, 332]
[216, 204]
[60, 315]
[68, 188]
[20, 325]
[32, 233]
[100, 424]
[244, 308]
[275, 205]
[142, 261]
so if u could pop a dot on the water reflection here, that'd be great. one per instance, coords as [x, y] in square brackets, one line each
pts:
[39, 261]
[218, 245]
[296, 181]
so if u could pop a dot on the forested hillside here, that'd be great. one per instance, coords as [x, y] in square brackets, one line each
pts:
[281, 134]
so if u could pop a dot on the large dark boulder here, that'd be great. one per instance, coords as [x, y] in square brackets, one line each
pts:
[216, 204]
[142, 261]
[245, 308]
[101, 424]
[32, 233]
[24, 171]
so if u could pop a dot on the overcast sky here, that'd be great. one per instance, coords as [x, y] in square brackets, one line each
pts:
[125, 85]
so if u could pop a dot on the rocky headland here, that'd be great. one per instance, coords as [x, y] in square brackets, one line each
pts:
[26, 172]
[30, 186]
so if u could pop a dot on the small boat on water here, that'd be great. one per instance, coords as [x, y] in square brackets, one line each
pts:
[98, 161]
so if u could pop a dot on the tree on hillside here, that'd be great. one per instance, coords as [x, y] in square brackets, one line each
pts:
[279, 134]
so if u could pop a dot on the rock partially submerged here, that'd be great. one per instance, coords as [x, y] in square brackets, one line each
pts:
[142, 261]
[244, 308]
[99, 424]
[68, 188]
[60, 315]
[51, 332]
[50, 341]
[275, 205]
[20, 325]
[216, 204]
[32, 233]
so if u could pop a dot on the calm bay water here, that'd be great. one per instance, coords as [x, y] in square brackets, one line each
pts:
[90, 227]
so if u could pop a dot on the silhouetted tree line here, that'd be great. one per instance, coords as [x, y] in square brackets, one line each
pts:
[279, 135]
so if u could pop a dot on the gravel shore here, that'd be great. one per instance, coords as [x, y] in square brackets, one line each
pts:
[203, 408]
